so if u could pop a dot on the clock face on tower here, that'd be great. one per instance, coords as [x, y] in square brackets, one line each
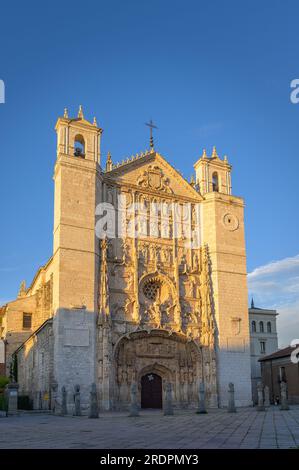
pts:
[230, 222]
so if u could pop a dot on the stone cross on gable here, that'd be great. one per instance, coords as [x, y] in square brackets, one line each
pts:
[152, 126]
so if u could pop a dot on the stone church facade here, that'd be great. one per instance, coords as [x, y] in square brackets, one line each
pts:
[160, 297]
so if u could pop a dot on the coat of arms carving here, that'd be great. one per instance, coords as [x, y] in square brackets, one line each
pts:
[153, 178]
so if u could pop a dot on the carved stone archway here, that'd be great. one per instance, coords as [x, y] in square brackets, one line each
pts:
[170, 355]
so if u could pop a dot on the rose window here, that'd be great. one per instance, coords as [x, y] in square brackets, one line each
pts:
[150, 290]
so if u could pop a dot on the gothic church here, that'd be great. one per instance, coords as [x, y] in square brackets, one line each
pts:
[145, 309]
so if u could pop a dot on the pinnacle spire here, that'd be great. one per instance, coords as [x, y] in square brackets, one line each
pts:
[109, 163]
[214, 153]
[80, 112]
[65, 113]
[95, 122]
[22, 290]
[252, 303]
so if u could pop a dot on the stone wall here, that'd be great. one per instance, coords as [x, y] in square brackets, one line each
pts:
[35, 366]
[2, 357]
[223, 231]
[74, 353]
[37, 302]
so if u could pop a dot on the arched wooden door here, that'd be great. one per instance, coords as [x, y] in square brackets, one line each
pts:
[151, 391]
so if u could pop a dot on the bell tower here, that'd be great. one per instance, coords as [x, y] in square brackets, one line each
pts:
[213, 174]
[77, 180]
[78, 137]
[223, 233]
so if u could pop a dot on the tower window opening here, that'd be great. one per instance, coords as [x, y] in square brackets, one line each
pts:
[263, 347]
[261, 327]
[79, 146]
[269, 329]
[253, 326]
[215, 181]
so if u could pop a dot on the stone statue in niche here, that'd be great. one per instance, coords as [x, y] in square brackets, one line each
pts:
[194, 316]
[154, 314]
[189, 288]
[130, 281]
[163, 255]
[158, 254]
[167, 309]
[110, 195]
[129, 308]
[183, 265]
[152, 253]
[195, 263]
[126, 252]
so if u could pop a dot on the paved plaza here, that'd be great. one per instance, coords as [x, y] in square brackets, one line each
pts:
[246, 429]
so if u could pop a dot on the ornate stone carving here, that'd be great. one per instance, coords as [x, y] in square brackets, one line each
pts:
[153, 178]
[207, 317]
[169, 356]
[103, 300]
[156, 285]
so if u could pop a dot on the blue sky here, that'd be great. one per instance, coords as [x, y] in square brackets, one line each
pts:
[208, 73]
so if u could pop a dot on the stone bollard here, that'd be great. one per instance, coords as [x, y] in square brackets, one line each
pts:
[267, 396]
[168, 408]
[77, 409]
[260, 397]
[94, 407]
[231, 398]
[134, 411]
[53, 405]
[283, 397]
[63, 401]
[202, 399]
[12, 398]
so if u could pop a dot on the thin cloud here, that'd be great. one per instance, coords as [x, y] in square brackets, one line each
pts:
[208, 129]
[276, 267]
[276, 286]
[8, 270]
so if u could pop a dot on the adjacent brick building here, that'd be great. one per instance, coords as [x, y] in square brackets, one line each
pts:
[279, 367]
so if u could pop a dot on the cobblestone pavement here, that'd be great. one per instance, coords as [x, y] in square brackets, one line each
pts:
[247, 429]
